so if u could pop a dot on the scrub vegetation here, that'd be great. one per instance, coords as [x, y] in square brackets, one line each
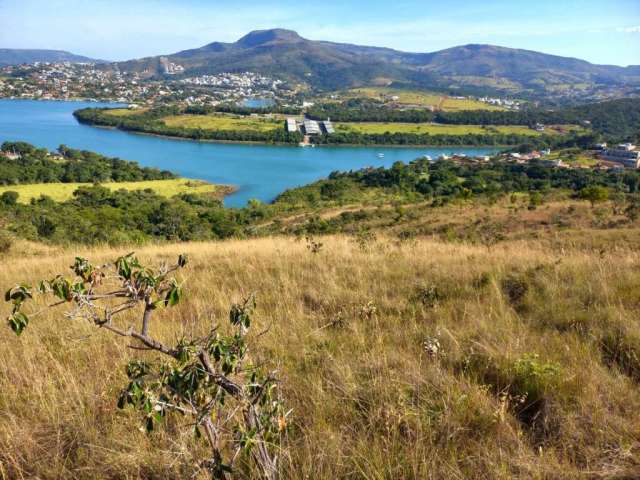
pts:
[417, 358]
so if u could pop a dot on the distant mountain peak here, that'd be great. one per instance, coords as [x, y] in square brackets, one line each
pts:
[262, 37]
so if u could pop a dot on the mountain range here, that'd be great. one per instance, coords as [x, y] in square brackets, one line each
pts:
[328, 65]
[15, 56]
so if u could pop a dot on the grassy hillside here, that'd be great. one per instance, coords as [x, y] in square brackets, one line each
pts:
[412, 359]
[61, 192]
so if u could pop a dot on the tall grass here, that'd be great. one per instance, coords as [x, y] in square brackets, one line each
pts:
[534, 376]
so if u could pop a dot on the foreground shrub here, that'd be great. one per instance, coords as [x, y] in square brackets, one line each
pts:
[211, 379]
[524, 384]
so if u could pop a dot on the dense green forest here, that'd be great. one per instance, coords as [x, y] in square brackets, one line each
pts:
[488, 139]
[98, 215]
[239, 110]
[38, 165]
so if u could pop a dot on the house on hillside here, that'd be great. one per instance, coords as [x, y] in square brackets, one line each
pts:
[625, 154]
[10, 155]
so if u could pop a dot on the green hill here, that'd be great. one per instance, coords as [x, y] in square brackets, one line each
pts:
[328, 65]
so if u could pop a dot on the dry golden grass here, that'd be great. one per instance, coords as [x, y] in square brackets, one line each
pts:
[347, 327]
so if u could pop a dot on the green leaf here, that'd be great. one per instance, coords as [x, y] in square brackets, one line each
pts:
[173, 296]
[18, 321]
[61, 288]
[83, 268]
[125, 265]
[18, 294]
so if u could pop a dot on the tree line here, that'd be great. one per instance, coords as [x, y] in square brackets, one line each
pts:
[98, 215]
[22, 163]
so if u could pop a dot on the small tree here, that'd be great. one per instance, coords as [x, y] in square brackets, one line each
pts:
[209, 379]
[594, 194]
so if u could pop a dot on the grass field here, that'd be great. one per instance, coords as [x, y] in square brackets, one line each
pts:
[225, 122]
[536, 374]
[418, 98]
[124, 112]
[64, 191]
[438, 129]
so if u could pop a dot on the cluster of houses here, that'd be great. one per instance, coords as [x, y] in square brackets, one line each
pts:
[64, 81]
[618, 157]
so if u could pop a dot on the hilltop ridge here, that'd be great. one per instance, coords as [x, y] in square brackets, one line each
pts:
[330, 65]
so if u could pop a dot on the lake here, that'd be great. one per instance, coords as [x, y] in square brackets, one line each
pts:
[258, 171]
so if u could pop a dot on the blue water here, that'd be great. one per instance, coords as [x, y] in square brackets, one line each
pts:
[257, 102]
[259, 171]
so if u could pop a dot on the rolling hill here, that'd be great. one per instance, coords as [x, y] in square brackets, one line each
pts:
[328, 65]
[13, 56]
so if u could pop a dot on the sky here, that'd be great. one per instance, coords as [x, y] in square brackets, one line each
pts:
[600, 31]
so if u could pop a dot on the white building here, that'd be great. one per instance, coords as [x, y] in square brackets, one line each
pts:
[292, 125]
[625, 154]
[328, 127]
[311, 127]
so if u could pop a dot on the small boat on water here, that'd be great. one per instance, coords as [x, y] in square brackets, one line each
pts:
[381, 155]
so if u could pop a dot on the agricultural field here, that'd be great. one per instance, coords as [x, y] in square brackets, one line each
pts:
[440, 129]
[418, 98]
[226, 122]
[61, 192]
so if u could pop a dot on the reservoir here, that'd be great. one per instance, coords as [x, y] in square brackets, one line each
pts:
[258, 171]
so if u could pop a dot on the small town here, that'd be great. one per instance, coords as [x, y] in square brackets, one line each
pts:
[74, 81]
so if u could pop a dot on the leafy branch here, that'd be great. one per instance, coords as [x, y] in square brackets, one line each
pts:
[235, 406]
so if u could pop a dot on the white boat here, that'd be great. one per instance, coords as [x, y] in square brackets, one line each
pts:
[381, 155]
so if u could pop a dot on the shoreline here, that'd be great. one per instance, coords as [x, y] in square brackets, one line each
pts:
[280, 144]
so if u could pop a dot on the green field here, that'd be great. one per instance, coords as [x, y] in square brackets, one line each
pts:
[439, 129]
[64, 191]
[124, 112]
[418, 98]
[225, 122]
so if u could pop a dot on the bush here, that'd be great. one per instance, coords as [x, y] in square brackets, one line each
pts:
[515, 288]
[9, 198]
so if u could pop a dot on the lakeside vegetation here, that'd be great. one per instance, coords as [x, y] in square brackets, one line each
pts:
[267, 129]
[95, 214]
[368, 122]
[153, 122]
[38, 165]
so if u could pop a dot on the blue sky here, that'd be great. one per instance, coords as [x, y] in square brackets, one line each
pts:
[601, 31]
